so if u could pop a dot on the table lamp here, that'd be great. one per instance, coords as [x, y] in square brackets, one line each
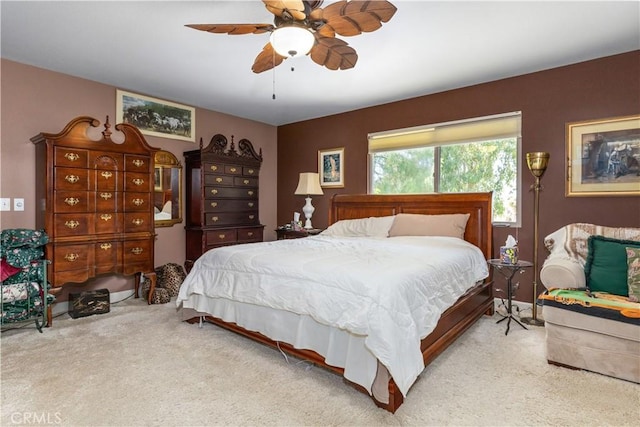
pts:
[308, 185]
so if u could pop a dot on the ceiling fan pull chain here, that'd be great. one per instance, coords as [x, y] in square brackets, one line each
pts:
[273, 69]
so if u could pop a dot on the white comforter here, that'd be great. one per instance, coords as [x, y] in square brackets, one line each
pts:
[391, 290]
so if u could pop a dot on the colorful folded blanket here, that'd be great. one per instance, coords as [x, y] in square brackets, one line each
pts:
[600, 304]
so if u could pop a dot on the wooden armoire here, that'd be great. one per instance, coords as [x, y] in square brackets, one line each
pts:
[95, 202]
[221, 196]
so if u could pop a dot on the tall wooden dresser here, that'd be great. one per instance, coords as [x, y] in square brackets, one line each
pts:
[95, 202]
[221, 196]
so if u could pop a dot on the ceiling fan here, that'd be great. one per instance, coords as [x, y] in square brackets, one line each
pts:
[297, 20]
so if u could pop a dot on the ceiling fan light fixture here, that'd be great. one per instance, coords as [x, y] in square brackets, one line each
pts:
[292, 41]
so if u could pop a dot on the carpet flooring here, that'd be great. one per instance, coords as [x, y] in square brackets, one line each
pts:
[140, 365]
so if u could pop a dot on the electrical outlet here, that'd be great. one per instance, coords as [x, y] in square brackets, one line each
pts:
[18, 204]
[5, 204]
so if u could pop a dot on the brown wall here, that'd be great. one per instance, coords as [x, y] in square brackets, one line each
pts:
[606, 87]
[36, 100]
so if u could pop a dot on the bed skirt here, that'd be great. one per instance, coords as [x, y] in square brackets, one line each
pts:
[339, 348]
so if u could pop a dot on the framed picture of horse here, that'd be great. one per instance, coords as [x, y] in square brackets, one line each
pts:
[156, 117]
[603, 157]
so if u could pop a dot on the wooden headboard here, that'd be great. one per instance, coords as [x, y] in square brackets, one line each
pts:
[477, 205]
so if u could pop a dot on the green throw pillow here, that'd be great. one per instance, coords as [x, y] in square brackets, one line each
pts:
[633, 273]
[606, 267]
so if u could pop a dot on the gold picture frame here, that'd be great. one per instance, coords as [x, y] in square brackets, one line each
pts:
[331, 167]
[155, 117]
[603, 157]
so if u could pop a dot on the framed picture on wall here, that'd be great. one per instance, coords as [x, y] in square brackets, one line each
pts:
[331, 167]
[603, 157]
[156, 117]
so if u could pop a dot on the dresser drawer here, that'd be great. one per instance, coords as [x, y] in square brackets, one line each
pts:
[73, 179]
[107, 256]
[137, 255]
[73, 224]
[233, 169]
[218, 237]
[223, 205]
[231, 218]
[133, 163]
[106, 180]
[73, 257]
[107, 201]
[107, 222]
[134, 181]
[249, 171]
[212, 179]
[137, 221]
[71, 157]
[245, 182]
[106, 160]
[72, 202]
[247, 235]
[213, 167]
[137, 202]
[231, 193]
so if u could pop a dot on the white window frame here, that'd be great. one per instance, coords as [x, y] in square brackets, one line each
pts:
[479, 129]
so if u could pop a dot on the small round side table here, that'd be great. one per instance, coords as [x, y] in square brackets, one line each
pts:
[508, 271]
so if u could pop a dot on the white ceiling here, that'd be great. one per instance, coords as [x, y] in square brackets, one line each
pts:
[427, 47]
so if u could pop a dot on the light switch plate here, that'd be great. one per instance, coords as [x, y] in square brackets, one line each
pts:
[5, 204]
[18, 204]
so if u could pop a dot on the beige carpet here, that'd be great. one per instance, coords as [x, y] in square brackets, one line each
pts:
[140, 365]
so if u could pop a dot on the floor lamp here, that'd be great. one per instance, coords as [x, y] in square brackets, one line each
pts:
[537, 163]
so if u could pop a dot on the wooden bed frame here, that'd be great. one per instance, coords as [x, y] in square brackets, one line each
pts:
[457, 319]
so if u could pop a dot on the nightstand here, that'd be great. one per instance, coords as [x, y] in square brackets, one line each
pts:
[284, 233]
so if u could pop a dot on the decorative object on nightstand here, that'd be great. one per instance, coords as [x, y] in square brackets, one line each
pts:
[537, 163]
[289, 233]
[509, 270]
[308, 185]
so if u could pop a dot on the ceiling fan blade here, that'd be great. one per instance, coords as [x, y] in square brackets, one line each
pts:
[267, 59]
[287, 9]
[356, 17]
[233, 29]
[335, 54]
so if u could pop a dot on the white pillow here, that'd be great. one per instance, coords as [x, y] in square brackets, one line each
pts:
[362, 227]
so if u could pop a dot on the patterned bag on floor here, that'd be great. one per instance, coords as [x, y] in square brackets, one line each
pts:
[170, 277]
[159, 296]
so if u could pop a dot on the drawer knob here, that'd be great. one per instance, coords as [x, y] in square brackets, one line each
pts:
[105, 246]
[251, 216]
[250, 204]
[214, 168]
[214, 218]
[71, 201]
[250, 192]
[106, 196]
[138, 181]
[138, 202]
[214, 204]
[72, 178]
[105, 217]
[221, 236]
[137, 251]
[138, 162]
[234, 170]
[106, 175]
[246, 181]
[250, 234]
[72, 156]
[71, 257]
[138, 221]
[214, 191]
[218, 179]
[251, 171]
[72, 224]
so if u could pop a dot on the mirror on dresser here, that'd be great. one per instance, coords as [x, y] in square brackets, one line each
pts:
[167, 195]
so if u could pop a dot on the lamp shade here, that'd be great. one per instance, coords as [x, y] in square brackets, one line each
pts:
[537, 163]
[292, 40]
[309, 184]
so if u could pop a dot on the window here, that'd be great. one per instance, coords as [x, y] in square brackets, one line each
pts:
[465, 156]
